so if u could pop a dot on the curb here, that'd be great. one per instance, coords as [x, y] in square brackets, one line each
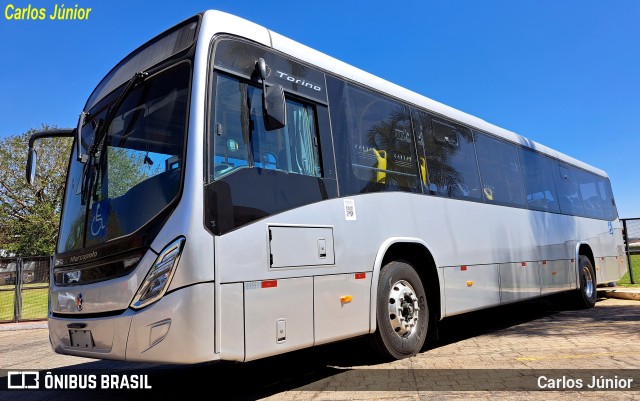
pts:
[634, 296]
[23, 326]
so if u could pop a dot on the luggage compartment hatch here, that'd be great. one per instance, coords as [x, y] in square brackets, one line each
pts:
[295, 246]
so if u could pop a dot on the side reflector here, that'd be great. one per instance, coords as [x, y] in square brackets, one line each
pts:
[346, 299]
[524, 264]
[463, 268]
[544, 262]
[360, 276]
[554, 273]
[469, 283]
[269, 283]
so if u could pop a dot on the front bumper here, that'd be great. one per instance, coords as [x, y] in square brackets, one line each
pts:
[179, 328]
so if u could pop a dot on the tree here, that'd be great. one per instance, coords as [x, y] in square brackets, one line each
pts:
[29, 216]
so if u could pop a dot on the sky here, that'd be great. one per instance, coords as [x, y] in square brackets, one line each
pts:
[562, 73]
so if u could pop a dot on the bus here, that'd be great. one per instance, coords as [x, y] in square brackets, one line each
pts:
[232, 194]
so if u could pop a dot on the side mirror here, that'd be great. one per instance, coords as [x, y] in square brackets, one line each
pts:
[31, 166]
[274, 107]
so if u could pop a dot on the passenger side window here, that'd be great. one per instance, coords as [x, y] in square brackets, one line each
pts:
[568, 190]
[450, 163]
[421, 128]
[382, 149]
[591, 199]
[608, 203]
[499, 171]
[537, 173]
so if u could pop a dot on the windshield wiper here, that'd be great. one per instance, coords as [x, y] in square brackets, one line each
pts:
[89, 168]
[102, 128]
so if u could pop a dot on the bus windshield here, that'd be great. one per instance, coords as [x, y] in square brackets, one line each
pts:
[137, 168]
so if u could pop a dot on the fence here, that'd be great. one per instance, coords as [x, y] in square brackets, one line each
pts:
[632, 244]
[24, 288]
[24, 282]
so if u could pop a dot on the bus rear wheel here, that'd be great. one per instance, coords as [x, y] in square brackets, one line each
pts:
[586, 295]
[402, 313]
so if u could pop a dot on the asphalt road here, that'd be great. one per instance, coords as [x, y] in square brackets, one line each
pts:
[494, 350]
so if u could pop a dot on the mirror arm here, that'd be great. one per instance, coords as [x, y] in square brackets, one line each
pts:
[275, 116]
[53, 133]
[78, 136]
[261, 66]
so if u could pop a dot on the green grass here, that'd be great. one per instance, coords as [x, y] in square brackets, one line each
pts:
[626, 280]
[34, 304]
[6, 305]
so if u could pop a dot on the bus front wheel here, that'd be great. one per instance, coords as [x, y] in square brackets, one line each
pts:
[586, 295]
[402, 313]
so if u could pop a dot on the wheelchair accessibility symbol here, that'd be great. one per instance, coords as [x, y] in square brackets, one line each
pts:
[99, 217]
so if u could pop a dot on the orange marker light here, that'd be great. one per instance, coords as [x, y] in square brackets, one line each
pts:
[346, 299]
[469, 283]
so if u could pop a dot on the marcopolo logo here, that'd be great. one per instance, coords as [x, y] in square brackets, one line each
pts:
[24, 380]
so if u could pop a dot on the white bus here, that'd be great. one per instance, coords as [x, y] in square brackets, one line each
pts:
[233, 194]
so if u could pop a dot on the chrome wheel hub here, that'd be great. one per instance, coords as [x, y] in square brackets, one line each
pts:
[588, 281]
[403, 308]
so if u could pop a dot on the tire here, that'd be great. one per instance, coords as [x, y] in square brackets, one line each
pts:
[585, 296]
[401, 329]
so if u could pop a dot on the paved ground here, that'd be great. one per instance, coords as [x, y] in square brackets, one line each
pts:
[531, 337]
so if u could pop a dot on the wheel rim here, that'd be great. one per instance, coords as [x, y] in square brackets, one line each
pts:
[588, 281]
[403, 308]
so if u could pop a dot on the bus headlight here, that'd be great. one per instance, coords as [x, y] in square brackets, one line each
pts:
[157, 281]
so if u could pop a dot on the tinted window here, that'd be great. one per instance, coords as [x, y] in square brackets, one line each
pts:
[568, 190]
[499, 171]
[421, 128]
[450, 169]
[591, 199]
[374, 144]
[537, 173]
[608, 203]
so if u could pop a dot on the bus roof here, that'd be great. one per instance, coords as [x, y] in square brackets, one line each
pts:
[221, 22]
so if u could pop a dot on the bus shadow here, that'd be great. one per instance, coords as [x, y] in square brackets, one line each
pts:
[273, 375]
